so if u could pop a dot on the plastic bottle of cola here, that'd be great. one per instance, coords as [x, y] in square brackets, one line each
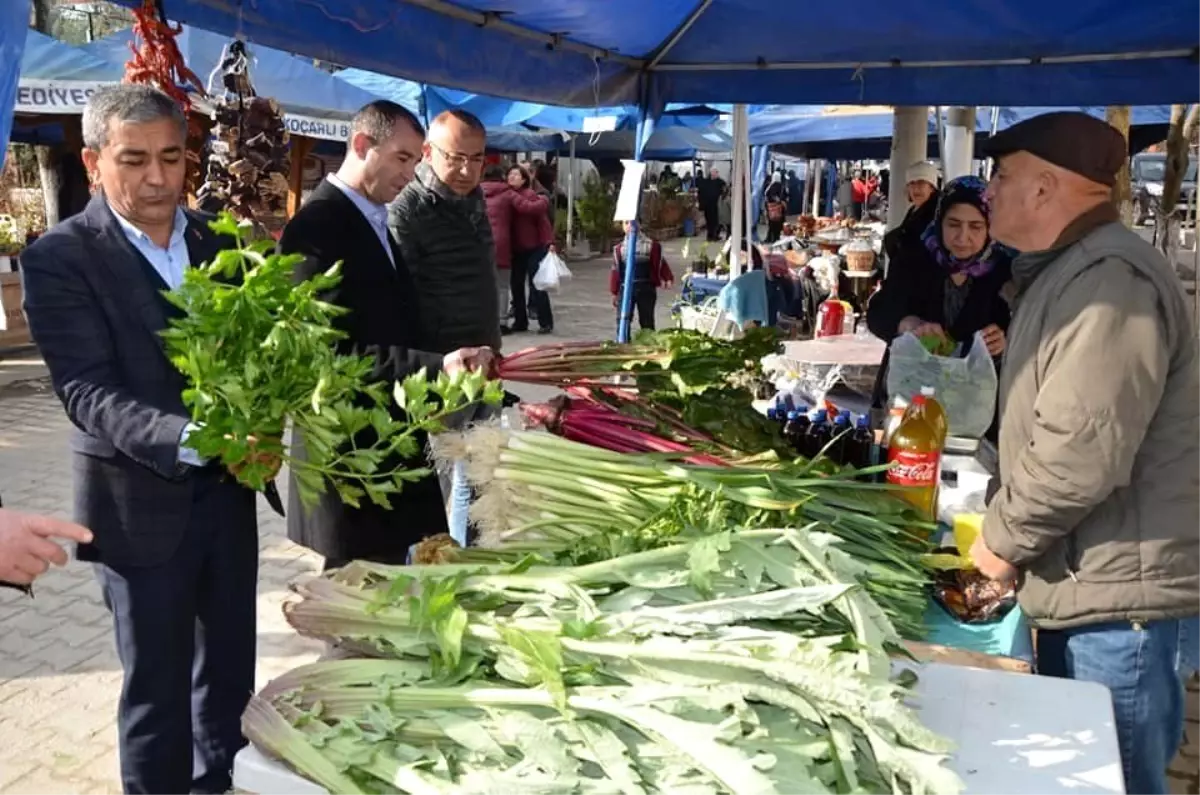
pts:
[915, 453]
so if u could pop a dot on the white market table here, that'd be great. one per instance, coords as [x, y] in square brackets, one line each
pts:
[1017, 734]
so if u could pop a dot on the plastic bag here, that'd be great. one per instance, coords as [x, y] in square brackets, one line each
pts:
[551, 273]
[966, 387]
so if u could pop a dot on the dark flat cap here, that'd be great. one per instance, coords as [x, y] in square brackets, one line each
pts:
[1075, 141]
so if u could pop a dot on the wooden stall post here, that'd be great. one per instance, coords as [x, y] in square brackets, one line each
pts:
[301, 148]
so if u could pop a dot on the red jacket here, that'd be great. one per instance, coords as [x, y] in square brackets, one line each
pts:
[660, 272]
[530, 221]
[500, 214]
[860, 190]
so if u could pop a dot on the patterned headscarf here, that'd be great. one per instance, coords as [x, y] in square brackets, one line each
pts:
[964, 190]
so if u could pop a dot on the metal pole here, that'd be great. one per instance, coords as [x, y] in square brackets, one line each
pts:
[625, 319]
[571, 197]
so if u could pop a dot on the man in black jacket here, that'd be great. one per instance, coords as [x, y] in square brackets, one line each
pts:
[441, 224]
[176, 542]
[345, 220]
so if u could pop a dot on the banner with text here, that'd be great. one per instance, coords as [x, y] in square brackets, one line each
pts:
[68, 97]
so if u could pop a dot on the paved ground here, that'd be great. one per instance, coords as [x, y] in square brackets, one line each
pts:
[59, 676]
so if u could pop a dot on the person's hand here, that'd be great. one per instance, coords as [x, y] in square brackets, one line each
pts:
[26, 550]
[616, 300]
[468, 359]
[919, 327]
[668, 284]
[268, 455]
[989, 564]
[993, 338]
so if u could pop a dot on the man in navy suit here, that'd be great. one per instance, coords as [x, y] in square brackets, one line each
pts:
[175, 537]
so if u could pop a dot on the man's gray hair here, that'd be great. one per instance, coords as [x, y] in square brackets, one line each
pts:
[126, 102]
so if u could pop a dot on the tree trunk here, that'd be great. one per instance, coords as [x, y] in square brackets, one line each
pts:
[1168, 223]
[48, 176]
[39, 16]
[1118, 116]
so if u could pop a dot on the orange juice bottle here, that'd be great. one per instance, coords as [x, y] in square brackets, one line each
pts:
[936, 414]
[915, 454]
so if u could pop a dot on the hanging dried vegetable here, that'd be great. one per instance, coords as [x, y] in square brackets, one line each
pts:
[249, 162]
[157, 61]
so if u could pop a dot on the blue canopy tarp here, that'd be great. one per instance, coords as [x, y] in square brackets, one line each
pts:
[47, 58]
[813, 131]
[316, 104]
[666, 144]
[14, 18]
[620, 52]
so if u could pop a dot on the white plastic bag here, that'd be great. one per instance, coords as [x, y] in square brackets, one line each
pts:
[551, 273]
[966, 387]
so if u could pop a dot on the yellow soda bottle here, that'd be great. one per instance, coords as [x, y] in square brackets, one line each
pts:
[915, 454]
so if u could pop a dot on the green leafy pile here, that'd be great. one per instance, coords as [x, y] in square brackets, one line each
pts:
[259, 351]
[745, 662]
[709, 383]
[542, 494]
[937, 344]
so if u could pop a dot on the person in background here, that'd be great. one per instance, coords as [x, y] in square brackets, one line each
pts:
[904, 242]
[724, 214]
[951, 285]
[440, 223]
[795, 194]
[650, 272]
[497, 195]
[533, 237]
[1096, 512]
[345, 220]
[776, 208]
[861, 189]
[708, 195]
[175, 543]
[26, 546]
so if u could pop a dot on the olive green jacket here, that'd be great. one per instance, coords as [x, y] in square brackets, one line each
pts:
[1099, 498]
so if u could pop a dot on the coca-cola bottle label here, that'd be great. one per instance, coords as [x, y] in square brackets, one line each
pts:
[910, 468]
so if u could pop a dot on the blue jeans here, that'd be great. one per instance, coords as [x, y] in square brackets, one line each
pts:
[1144, 667]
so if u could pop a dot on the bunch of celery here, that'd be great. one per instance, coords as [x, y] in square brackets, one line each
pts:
[744, 662]
[542, 494]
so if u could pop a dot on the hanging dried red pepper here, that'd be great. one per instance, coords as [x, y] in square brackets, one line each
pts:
[157, 61]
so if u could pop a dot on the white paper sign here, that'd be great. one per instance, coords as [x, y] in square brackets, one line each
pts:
[313, 127]
[595, 124]
[631, 190]
[54, 96]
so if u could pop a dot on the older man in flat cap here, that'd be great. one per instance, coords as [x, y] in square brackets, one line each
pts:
[1098, 508]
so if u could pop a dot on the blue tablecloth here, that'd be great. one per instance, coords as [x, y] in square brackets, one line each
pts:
[1010, 636]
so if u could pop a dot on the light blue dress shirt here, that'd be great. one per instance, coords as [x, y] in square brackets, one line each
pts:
[376, 214]
[169, 263]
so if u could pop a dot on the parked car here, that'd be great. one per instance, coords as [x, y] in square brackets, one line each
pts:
[1146, 181]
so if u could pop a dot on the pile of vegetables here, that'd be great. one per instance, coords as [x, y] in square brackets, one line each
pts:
[937, 344]
[622, 421]
[746, 662]
[706, 383]
[249, 165]
[576, 503]
[259, 352]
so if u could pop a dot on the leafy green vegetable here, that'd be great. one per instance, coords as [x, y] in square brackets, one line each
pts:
[259, 351]
[937, 344]
[770, 678]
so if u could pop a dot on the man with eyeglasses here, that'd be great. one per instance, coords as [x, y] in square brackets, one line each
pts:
[441, 224]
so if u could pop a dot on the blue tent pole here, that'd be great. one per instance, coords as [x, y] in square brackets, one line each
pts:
[830, 187]
[647, 116]
[759, 157]
[625, 319]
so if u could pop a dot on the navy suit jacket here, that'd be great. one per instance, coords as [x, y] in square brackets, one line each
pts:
[96, 313]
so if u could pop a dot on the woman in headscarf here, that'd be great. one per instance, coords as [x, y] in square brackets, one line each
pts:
[921, 180]
[776, 209]
[950, 286]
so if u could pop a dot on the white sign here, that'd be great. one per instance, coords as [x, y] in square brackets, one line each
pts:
[631, 191]
[54, 96]
[313, 127]
[596, 124]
